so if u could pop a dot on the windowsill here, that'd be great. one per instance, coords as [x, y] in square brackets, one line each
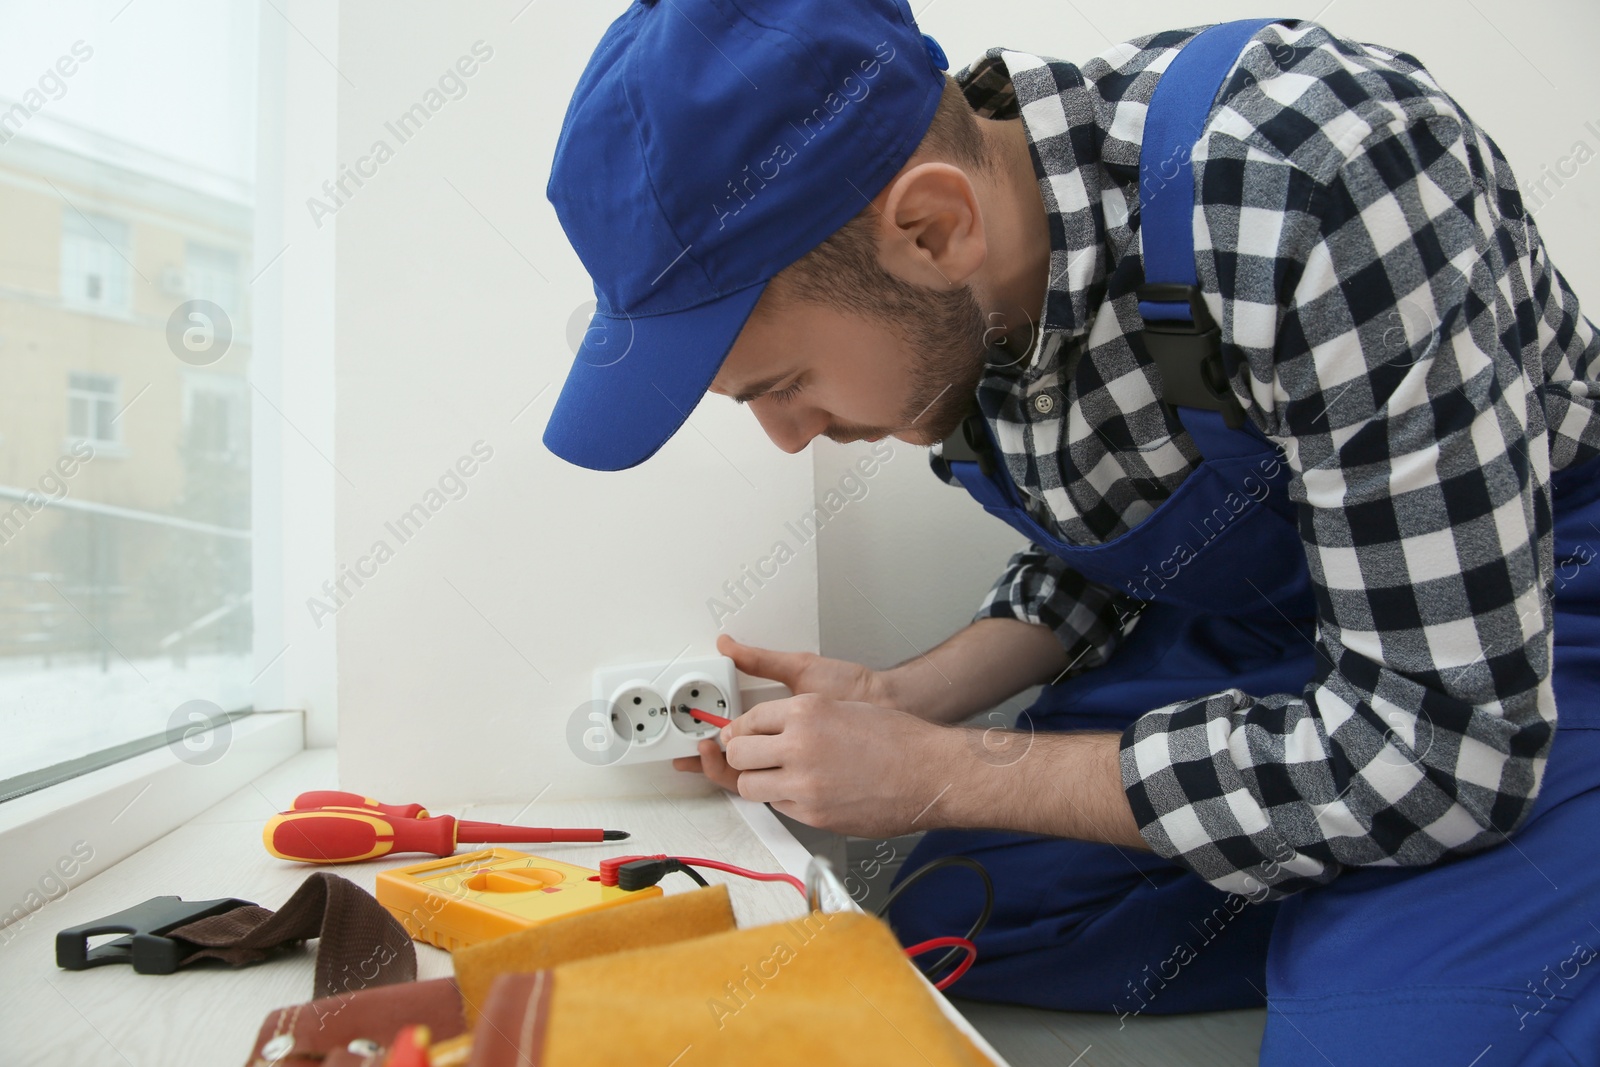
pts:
[58, 837]
[209, 1015]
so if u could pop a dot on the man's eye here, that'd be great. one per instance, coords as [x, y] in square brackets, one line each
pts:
[786, 394]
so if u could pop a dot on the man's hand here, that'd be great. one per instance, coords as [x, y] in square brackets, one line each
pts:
[876, 772]
[840, 765]
[801, 672]
[806, 672]
[841, 754]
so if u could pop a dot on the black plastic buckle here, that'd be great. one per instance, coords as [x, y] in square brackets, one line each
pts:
[1189, 354]
[969, 443]
[144, 947]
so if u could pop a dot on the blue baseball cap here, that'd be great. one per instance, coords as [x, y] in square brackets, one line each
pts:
[708, 145]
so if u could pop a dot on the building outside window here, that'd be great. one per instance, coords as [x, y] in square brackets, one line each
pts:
[126, 517]
[216, 419]
[212, 273]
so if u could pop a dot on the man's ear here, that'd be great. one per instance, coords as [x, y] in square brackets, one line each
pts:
[930, 230]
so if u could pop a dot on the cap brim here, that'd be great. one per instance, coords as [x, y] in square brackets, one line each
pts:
[636, 380]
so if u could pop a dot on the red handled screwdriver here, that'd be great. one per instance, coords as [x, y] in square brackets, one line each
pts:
[718, 721]
[346, 835]
[336, 798]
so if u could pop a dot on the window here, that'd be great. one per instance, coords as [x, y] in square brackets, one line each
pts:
[92, 408]
[126, 519]
[94, 262]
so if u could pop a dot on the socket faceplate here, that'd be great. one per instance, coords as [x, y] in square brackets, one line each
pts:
[638, 714]
[697, 691]
[714, 678]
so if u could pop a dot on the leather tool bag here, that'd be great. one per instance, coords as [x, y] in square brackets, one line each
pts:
[661, 978]
[354, 1030]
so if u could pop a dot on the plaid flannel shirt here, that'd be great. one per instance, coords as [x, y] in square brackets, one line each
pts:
[1389, 318]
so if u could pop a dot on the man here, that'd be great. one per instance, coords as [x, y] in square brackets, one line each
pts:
[1306, 603]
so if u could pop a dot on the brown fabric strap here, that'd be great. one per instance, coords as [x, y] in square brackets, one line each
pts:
[360, 944]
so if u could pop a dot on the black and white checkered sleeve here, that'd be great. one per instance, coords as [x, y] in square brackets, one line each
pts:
[1392, 371]
[1086, 617]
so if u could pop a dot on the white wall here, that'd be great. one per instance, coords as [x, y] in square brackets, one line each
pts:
[914, 557]
[905, 565]
[460, 662]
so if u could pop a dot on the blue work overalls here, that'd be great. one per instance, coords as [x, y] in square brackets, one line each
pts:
[1489, 955]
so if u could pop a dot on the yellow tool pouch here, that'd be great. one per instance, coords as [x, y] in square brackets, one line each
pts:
[674, 981]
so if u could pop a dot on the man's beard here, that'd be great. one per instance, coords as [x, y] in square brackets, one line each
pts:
[946, 334]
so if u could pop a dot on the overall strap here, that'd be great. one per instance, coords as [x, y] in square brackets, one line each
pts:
[1179, 332]
[1180, 335]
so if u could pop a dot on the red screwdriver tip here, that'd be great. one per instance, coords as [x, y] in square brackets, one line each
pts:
[705, 716]
[617, 835]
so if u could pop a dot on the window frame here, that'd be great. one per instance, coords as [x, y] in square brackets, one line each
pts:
[292, 330]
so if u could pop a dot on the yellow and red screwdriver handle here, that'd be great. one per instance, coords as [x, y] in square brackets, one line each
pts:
[347, 835]
[337, 798]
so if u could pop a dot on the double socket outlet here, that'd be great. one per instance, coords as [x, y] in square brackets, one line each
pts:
[643, 706]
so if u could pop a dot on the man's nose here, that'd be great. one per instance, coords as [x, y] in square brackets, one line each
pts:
[791, 431]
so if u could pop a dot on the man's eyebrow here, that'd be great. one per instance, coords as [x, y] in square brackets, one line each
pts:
[756, 389]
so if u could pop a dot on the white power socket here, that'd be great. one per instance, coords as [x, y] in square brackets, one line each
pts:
[643, 704]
